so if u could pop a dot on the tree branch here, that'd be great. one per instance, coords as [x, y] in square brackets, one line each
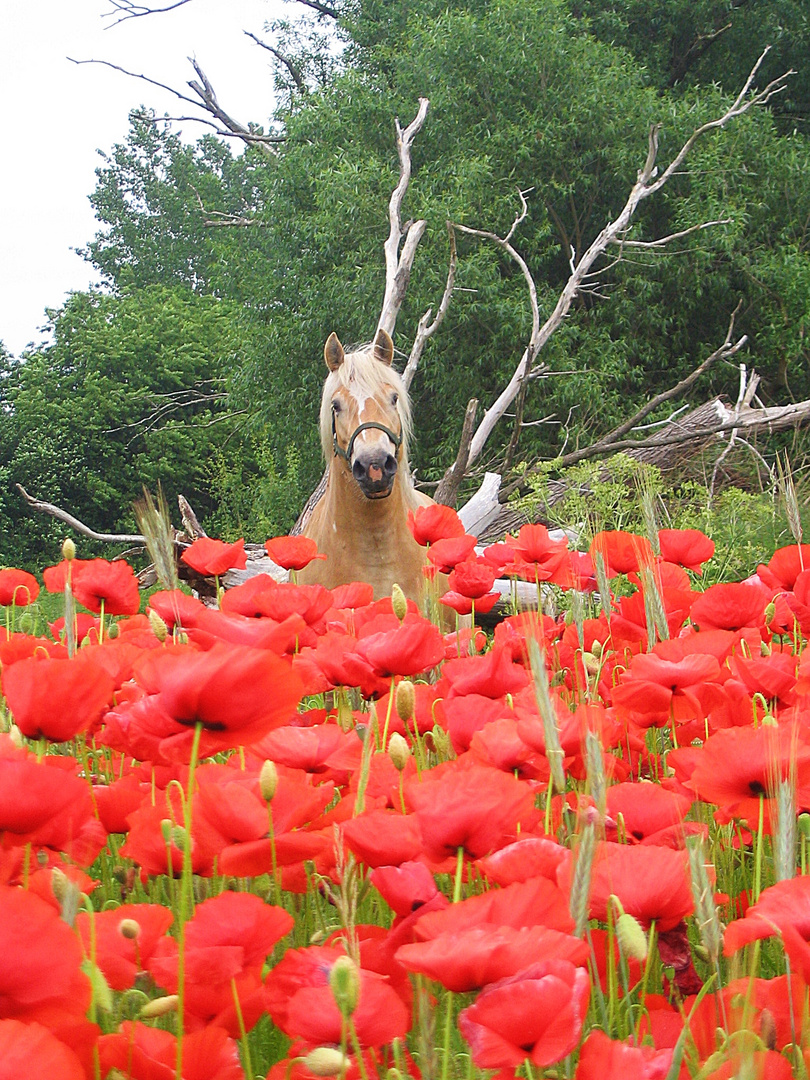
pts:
[648, 182]
[127, 9]
[398, 264]
[293, 69]
[447, 491]
[79, 526]
[426, 329]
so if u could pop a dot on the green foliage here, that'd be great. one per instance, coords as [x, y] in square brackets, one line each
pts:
[553, 98]
[747, 527]
[254, 497]
[131, 393]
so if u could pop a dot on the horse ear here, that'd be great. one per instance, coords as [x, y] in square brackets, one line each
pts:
[333, 352]
[383, 347]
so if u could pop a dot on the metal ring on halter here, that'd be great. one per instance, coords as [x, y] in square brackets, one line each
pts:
[347, 453]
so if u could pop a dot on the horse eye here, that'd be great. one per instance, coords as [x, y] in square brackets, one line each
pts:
[335, 406]
[394, 399]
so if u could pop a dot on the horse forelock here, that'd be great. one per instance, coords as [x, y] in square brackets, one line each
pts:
[365, 377]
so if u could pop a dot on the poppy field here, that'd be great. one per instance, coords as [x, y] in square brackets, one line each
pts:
[308, 834]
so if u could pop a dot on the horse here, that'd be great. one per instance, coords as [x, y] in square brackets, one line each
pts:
[361, 521]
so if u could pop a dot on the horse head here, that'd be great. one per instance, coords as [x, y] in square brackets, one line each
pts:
[365, 414]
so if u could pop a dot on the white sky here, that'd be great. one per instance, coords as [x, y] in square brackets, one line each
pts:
[56, 115]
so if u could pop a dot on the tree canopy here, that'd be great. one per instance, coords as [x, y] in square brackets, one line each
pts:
[264, 254]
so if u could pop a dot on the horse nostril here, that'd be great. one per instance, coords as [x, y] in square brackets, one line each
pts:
[390, 465]
[358, 471]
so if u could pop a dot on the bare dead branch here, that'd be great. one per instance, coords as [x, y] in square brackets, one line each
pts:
[647, 184]
[127, 9]
[398, 263]
[426, 329]
[322, 9]
[207, 101]
[447, 491]
[625, 243]
[294, 70]
[76, 525]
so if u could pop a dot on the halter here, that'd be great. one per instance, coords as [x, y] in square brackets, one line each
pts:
[347, 453]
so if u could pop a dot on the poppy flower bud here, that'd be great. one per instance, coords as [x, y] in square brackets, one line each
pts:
[268, 780]
[173, 834]
[770, 611]
[406, 700]
[160, 1006]
[631, 937]
[16, 737]
[803, 822]
[25, 623]
[325, 1061]
[398, 751]
[60, 883]
[159, 627]
[769, 720]
[129, 928]
[344, 982]
[113, 631]
[398, 602]
[591, 663]
[597, 647]
[68, 549]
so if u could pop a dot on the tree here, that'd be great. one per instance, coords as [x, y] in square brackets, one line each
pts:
[527, 96]
[130, 393]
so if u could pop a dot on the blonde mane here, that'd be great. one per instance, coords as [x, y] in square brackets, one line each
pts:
[362, 372]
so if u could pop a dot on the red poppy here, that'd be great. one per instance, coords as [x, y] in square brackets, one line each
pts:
[405, 888]
[492, 675]
[655, 691]
[737, 769]
[214, 557]
[530, 857]
[732, 605]
[356, 594]
[414, 646]
[56, 577]
[237, 694]
[33, 1050]
[470, 806]
[622, 552]
[784, 566]
[139, 1052]
[17, 587]
[464, 960]
[465, 605]
[300, 1001]
[539, 557]
[292, 552]
[653, 883]
[39, 803]
[124, 939]
[383, 837]
[785, 904]
[603, 1058]
[537, 1014]
[226, 944]
[56, 699]
[98, 583]
[40, 977]
[646, 809]
[447, 553]
[20, 646]
[472, 578]
[434, 522]
[686, 547]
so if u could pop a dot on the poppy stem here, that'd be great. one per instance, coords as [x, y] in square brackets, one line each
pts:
[391, 694]
[448, 1023]
[186, 905]
[758, 856]
[248, 1064]
[459, 875]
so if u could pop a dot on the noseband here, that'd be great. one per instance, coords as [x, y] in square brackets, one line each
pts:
[347, 453]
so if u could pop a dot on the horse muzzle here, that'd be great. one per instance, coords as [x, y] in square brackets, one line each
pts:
[375, 474]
